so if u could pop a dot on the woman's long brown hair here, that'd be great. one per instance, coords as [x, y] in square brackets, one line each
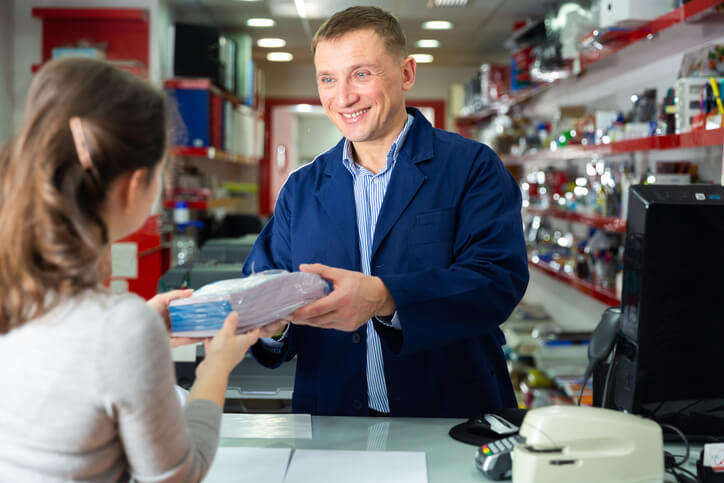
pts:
[52, 234]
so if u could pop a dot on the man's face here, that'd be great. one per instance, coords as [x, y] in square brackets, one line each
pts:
[361, 85]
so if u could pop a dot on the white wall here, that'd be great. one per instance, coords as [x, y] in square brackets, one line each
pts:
[6, 71]
[315, 135]
[27, 48]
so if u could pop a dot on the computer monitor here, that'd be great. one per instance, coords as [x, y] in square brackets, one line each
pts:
[670, 353]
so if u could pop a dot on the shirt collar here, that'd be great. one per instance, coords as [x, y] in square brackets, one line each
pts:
[352, 167]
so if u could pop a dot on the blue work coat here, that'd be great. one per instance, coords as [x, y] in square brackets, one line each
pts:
[449, 247]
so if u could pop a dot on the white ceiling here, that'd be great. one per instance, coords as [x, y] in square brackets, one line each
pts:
[481, 27]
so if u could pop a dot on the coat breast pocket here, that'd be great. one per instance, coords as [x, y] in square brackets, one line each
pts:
[431, 239]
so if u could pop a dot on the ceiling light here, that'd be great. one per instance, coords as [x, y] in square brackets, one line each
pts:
[271, 43]
[428, 43]
[437, 25]
[279, 57]
[423, 58]
[260, 22]
[446, 3]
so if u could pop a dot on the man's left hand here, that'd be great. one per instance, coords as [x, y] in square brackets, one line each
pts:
[353, 301]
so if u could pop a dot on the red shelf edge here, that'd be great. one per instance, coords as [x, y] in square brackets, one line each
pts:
[652, 27]
[212, 153]
[606, 223]
[693, 139]
[91, 13]
[582, 286]
[191, 205]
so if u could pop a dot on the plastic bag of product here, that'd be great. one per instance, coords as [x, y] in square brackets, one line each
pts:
[258, 299]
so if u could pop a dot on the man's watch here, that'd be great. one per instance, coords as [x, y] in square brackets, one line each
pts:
[385, 319]
[280, 336]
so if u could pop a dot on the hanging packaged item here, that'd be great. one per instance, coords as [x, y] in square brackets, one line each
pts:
[258, 299]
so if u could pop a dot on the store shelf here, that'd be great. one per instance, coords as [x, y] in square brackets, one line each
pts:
[91, 13]
[213, 153]
[607, 223]
[201, 83]
[608, 43]
[122, 33]
[503, 105]
[134, 67]
[613, 41]
[694, 139]
[587, 288]
[205, 204]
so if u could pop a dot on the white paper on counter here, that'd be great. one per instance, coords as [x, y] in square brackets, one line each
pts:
[276, 426]
[235, 464]
[332, 466]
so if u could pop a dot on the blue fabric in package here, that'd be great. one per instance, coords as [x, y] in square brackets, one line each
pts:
[258, 299]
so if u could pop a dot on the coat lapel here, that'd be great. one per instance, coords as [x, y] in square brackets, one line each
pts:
[336, 196]
[406, 179]
[404, 185]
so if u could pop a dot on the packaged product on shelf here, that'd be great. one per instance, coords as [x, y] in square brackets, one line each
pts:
[692, 100]
[494, 82]
[258, 299]
[704, 62]
[604, 254]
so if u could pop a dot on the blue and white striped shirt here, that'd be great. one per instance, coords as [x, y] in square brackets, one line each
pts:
[369, 192]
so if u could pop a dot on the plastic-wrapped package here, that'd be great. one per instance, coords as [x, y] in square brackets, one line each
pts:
[258, 299]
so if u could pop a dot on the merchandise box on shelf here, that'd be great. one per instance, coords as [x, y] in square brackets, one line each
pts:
[201, 108]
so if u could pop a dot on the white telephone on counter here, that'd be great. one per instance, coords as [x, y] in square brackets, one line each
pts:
[585, 444]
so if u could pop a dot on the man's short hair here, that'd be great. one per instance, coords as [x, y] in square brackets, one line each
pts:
[351, 19]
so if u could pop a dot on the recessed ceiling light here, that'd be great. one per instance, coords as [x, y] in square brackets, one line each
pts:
[437, 25]
[279, 57]
[428, 43]
[271, 43]
[447, 3]
[423, 58]
[260, 22]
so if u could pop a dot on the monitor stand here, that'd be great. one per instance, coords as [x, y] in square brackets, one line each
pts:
[701, 421]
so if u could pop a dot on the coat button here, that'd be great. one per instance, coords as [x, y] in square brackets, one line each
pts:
[357, 404]
[356, 338]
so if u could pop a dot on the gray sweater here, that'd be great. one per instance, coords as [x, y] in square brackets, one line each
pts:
[87, 394]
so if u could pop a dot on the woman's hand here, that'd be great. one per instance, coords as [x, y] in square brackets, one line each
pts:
[227, 349]
[160, 302]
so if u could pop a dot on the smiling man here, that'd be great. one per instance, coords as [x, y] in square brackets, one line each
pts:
[417, 229]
